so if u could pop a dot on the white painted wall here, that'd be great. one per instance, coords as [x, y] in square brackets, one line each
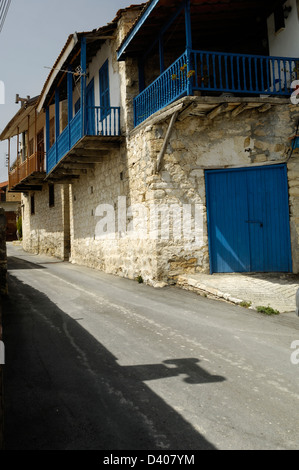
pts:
[94, 66]
[286, 42]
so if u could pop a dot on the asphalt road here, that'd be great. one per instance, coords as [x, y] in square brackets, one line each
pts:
[95, 361]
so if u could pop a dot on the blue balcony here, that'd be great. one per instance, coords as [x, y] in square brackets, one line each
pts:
[213, 73]
[100, 123]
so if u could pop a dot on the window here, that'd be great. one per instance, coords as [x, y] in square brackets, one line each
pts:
[32, 204]
[104, 90]
[51, 195]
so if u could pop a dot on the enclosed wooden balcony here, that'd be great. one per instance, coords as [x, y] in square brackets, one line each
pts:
[29, 174]
[82, 144]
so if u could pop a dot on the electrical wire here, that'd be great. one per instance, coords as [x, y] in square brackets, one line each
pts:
[4, 7]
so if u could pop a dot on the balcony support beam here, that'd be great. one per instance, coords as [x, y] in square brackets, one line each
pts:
[166, 140]
[218, 110]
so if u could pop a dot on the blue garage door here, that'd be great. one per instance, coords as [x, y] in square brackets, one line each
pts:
[248, 220]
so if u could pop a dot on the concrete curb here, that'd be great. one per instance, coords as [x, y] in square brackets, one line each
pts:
[199, 287]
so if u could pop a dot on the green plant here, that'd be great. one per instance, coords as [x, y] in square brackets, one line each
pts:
[245, 304]
[267, 310]
[19, 228]
[139, 279]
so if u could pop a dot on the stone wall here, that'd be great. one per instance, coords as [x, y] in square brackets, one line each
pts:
[198, 144]
[47, 230]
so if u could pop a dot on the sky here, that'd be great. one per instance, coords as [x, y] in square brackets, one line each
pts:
[33, 35]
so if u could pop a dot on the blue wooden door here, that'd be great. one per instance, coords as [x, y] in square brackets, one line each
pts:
[104, 90]
[248, 220]
[90, 110]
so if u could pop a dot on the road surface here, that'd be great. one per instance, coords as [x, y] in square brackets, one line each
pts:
[94, 361]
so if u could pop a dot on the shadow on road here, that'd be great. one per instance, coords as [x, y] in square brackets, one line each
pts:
[18, 263]
[65, 390]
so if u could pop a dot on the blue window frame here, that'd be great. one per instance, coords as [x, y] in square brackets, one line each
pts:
[104, 90]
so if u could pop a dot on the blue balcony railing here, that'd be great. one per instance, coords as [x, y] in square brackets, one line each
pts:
[99, 121]
[169, 86]
[211, 72]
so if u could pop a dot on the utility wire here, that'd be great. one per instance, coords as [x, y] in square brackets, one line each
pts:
[4, 7]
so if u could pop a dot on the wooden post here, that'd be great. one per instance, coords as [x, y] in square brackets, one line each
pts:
[69, 101]
[47, 135]
[57, 121]
[18, 145]
[83, 83]
[35, 141]
[188, 44]
[28, 147]
[8, 163]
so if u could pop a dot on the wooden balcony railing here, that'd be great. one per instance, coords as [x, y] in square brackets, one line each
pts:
[99, 121]
[35, 164]
[217, 72]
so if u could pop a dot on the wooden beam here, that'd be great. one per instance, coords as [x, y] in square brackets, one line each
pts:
[76, 166]
[265, 107]
[74, 171]
[187, 111]
[166, 140]
[74, 159]
[239, 109]
[97, 146]
[164, 115]
[82, 153]
[63, 179]
[218, 110]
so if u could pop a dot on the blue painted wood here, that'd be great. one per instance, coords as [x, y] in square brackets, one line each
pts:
[137, 27]
[83, 82]
[70, 94]
[110, 126]
[228, 231]
[57, 117]
[104, 90]
[90, 115]
[47, 128]
[164, 28]
[169, 86]
[69, 101]
[217, 72]
[248, 220]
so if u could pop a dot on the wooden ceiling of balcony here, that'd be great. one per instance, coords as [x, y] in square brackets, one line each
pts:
[213, 18]
[90, 150]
